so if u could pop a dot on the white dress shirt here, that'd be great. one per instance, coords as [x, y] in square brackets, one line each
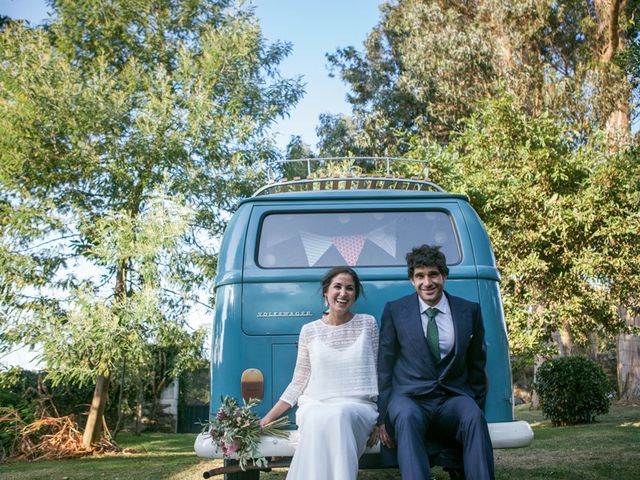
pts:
[446, 332]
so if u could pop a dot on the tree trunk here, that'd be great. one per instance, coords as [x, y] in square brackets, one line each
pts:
[618, 121]
[618, 136]
[629, 361]
[563, 340]
[93, 429]
[120, 397]
[139, 409]
[592, 347]
[535, 398]
[158, 384]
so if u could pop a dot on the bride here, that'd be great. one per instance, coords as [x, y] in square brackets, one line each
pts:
[334, 385]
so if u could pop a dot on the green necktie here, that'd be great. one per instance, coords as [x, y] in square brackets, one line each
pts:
[433, 340]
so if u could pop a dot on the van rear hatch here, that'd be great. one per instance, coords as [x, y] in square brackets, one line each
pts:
[289, 248]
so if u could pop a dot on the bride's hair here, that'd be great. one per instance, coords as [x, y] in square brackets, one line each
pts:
[335, 271]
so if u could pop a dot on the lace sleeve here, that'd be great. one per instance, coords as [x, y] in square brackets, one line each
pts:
[302, 371]
[374, 339]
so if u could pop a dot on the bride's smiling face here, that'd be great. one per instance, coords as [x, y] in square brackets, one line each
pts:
[341, 293]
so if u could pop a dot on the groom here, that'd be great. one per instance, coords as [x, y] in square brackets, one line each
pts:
[431, 371]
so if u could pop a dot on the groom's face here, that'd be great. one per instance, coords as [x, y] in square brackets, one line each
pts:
[429, 283]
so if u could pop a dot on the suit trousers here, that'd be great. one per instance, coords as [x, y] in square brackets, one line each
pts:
[451, 416]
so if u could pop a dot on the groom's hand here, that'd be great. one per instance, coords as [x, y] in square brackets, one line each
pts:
[385, 438]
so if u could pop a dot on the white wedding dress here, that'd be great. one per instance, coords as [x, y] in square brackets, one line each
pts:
[335, 386]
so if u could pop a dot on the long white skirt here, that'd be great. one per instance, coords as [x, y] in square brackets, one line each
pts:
[332, 436]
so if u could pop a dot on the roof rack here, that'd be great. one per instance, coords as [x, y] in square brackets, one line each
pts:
[373, 182]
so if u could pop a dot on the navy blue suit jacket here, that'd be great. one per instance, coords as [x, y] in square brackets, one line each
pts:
[406, 366]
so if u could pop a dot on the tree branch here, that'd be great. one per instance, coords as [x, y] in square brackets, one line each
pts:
[53, 240]
[612, 28]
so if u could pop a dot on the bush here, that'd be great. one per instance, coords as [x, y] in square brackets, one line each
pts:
[572, 390]
[15, 413]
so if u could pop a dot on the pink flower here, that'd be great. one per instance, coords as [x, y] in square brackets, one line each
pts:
[229, 449]
[235, 430]
[234, 447]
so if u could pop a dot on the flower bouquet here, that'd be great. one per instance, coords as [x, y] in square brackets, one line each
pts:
[236, 431]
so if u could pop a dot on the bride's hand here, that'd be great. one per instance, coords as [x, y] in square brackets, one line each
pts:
[373, 437]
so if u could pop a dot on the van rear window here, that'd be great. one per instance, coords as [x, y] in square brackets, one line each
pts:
[362, 239]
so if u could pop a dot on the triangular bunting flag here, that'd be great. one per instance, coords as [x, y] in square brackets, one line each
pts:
[385, 238]
[350, 247]
[314, 246]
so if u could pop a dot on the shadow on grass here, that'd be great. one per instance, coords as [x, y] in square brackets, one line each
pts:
[158, 456]
[158, 443]
[605, 449]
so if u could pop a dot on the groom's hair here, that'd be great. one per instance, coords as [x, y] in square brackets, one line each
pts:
[426, 256]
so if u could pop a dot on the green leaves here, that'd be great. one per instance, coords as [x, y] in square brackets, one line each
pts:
[130, 130]
[572, 390]
[560, 217]
[428, 66]
[526, 179]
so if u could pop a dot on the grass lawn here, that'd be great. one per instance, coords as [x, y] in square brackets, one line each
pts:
[607, 449]
[161, 456]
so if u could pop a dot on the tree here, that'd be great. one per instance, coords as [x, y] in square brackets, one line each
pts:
[106, 111]
[524, 176]
[428, 65]
[613, 256]
[619, 43]
[424, 67]
[339, 137]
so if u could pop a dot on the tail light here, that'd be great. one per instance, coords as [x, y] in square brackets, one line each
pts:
[252, 384]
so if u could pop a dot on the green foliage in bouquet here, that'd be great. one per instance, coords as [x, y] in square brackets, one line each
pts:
[572, 390]
[236, 431]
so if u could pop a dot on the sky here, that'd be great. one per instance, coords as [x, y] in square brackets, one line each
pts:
[313, 27]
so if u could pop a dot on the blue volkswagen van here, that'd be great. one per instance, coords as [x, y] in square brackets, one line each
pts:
[282, 240]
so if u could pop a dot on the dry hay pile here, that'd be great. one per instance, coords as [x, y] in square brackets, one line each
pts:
[57, 437]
